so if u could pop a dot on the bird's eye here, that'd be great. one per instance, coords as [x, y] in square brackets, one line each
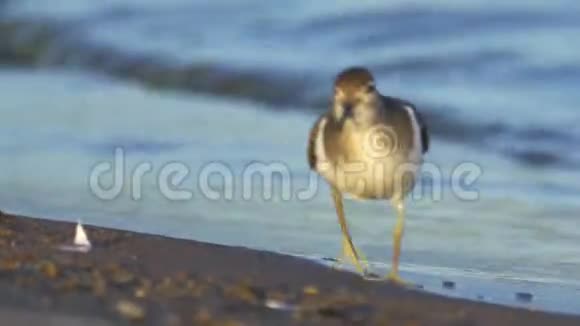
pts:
[370, 88]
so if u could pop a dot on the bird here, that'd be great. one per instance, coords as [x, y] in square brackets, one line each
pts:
[368, 146]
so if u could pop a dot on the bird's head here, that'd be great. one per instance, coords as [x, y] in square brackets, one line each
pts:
[355, 95]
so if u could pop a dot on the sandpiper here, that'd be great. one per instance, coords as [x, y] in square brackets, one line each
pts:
[368, 146]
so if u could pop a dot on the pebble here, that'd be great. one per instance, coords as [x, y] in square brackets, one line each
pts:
[143, 289]
[354, 313]
[6, 233]
[122, 277]
[524, 296]
[130, 310]
[170, 289]
[243, 292]
[140, 293]
[310, 290]
[99, 285]
[9, 265]
[449, 285]
[48, 269]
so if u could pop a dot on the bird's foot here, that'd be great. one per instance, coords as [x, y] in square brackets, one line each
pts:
[357, 259]
[370, 276]
[394, 278]
[361, 266]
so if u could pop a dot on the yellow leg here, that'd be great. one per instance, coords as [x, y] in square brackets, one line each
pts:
[348, 254]
[348, 247]
[397, 237]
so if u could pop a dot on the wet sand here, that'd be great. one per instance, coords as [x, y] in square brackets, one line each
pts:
[130, 278]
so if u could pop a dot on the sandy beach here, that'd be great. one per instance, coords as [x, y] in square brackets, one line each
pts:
[152, 280]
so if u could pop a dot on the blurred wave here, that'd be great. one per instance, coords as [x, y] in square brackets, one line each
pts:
[175, 47]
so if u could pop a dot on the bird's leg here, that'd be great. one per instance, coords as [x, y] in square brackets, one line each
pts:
[348, 251]
[397, 237]
[349, 254]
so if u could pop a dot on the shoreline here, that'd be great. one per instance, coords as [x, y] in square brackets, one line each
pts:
[155, 280]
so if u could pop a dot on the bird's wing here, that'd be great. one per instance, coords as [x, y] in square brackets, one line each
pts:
[311, 152]
[425, 141]
[424, 130]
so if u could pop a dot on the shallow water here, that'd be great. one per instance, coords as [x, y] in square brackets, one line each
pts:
[497, 82]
